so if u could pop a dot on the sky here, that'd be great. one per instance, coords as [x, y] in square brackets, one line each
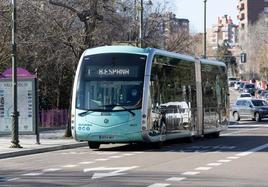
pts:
[194, 11]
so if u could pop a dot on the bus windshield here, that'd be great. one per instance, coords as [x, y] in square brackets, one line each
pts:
[111, 82]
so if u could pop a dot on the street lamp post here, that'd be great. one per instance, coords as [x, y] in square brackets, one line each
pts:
[141, 24]
[205, 29]
[15, 113]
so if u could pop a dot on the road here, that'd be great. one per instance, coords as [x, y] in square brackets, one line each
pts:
[238, 158]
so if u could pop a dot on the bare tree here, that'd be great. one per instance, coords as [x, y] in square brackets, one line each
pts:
[5, 36]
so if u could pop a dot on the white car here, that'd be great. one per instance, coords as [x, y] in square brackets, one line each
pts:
[236, 85]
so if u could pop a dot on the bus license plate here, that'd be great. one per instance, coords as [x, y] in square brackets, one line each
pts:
[106, 137]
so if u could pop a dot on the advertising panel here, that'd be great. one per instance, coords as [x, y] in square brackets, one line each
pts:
[26, 106]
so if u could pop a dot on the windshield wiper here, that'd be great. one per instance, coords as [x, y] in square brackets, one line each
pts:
[114, 105]
[86, 112]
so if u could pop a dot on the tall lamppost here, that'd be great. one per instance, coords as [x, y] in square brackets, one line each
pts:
[205, 29]
[15, 113]
[141, 29]
[141, 24]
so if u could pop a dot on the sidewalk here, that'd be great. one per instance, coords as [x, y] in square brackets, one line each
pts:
[50, 140]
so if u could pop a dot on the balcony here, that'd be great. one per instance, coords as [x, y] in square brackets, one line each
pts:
[241, 17]
[242, 7]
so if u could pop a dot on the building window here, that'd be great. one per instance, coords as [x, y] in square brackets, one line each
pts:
[242, 16]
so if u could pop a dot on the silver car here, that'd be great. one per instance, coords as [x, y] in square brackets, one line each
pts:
[255, 109]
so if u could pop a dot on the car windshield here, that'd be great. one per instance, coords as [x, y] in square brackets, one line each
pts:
[259, 103]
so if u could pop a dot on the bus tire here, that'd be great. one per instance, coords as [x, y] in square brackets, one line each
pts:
[158, 145]
[189, 139]
[216, 134]
[93, 145]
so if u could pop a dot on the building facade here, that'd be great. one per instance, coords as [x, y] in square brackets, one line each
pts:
[249, 12]
[175, 25]
[221, 32]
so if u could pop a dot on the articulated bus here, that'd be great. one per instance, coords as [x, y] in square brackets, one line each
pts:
[125, 94]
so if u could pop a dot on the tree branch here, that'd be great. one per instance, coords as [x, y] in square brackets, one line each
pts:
[64, 6]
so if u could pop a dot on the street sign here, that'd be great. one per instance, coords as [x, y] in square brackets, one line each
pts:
[243, 57]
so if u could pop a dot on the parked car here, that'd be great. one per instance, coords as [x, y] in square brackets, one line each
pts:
[232, 81]
[263, 93]
[265, 97]
[249, 88]
[258, 93]
[236, 85]
[241, 86]
[248, 95]
[255, 109]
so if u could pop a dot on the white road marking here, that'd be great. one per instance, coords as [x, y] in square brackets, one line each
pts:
[69, 166]
[190, 173]
[224, 161]
[238, 132]
[227, 147]
[159, 185]
[74, 153]
[101, 159]
[138, 152]
[253, 150]
[84, 163]
[115, 171]
[175, 178]
[233, 157]
[128, 154]
[106, 153]
[115, 156]
[51, 169]
[247, 125]
[203, 168]
[32, 174]
[13, 179]
[214, 164]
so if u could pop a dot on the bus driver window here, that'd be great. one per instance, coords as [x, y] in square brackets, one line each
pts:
[134, 97]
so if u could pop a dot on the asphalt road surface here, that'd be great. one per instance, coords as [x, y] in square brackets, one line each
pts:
[238, 158]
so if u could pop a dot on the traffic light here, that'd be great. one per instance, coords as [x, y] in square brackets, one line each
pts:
[243, 57]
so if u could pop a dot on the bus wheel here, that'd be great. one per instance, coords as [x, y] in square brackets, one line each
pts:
[189, 139]
[215, 135]
[93, 145]
[158, 145]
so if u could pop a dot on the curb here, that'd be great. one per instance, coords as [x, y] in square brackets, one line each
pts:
[42, 150]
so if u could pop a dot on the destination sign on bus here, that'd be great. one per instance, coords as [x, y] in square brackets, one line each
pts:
[123, 71]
